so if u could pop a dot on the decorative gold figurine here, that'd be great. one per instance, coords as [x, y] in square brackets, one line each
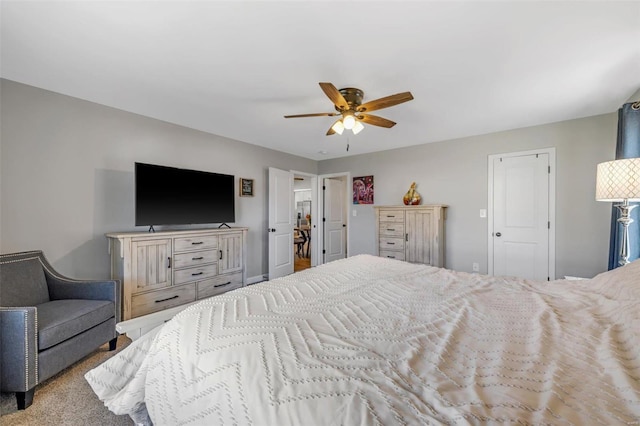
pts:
[412, 198]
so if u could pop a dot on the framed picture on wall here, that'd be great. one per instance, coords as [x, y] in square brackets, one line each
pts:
[363, 190]
[246, 187]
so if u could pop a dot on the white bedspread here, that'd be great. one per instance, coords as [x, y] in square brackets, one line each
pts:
[367, 340]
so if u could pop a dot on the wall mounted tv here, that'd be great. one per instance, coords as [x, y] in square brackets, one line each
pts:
[172, 196]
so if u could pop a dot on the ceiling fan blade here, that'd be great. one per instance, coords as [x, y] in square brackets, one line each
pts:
[335, 95]
[385, 102]
[318, 114]
[376, 121]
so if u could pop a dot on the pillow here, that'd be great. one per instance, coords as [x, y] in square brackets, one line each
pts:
[22, 282]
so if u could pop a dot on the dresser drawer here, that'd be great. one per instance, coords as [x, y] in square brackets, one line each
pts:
[398, 255]
[146, 303]
[391, 216]
[391, 229]
[196, 258]
[219, 285]
[195, 243]
[195, 274]
[391, 243]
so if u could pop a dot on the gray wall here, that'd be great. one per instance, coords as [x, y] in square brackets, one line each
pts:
[455, 173]
[66, 176]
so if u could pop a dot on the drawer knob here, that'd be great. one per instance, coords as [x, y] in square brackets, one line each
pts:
[197, 273]
[197, 243]
[168, 298]
[197, 258]
[222, 285]
[391, 244]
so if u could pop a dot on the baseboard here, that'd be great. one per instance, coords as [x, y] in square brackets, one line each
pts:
[256, 279]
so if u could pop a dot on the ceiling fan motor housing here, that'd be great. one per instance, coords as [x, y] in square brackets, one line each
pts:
[353, 97]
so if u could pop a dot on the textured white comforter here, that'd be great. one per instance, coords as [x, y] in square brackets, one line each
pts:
[368, 340]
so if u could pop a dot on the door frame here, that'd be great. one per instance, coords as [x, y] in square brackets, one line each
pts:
[320, 210]
[551, 151]
[314, 200]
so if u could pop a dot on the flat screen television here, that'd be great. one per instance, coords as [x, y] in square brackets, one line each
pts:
[172, 196]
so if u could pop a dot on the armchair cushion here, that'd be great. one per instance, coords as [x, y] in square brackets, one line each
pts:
[31, 285]
[59, 320]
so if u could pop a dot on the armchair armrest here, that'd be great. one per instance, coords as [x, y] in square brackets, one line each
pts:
[65, 288]
[18, 349]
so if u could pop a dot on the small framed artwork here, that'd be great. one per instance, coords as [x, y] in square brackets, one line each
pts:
[246, 187]
[363, 190]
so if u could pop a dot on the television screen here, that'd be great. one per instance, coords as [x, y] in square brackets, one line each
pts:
[173, 196]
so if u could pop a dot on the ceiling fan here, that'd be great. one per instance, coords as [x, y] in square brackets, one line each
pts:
[348, 104]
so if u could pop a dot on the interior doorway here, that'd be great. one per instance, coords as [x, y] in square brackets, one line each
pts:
[334, 197]
[283, 219]
[302, 210]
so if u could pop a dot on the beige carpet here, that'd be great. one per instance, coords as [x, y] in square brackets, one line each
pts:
[66, 399]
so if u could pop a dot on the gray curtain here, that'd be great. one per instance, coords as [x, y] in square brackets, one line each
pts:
[628, 146]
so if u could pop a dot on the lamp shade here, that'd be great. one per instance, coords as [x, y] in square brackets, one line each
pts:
[338, 127]
[349, 121]
[618, 180]
[357, 128]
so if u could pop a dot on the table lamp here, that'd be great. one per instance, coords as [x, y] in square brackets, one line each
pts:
[619, 181]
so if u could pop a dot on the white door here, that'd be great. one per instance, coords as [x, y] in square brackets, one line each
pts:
[521, 219]
[335, 221]
[280, 223]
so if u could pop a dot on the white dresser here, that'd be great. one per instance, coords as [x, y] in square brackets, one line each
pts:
[161, 270]
[411, 233]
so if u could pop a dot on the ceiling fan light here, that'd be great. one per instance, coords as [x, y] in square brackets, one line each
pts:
[349, 121]
[357, 128]
[338, 127]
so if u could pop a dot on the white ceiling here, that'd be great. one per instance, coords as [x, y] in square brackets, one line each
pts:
[236, 68]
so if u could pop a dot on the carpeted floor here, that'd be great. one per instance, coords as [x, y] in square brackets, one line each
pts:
[66, 399]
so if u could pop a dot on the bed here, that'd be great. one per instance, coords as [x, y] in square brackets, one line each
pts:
[369, 340]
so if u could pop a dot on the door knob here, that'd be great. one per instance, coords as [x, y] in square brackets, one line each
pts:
[498, 234]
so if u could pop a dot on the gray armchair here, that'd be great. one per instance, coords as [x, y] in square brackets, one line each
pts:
[48, 322]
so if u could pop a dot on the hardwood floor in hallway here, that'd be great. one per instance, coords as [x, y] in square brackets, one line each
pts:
[300, 263]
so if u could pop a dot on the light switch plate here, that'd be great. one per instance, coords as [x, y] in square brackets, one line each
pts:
[483, 212]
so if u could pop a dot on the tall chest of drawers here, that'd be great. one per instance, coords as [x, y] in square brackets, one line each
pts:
[165, 269]
[411, 233]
